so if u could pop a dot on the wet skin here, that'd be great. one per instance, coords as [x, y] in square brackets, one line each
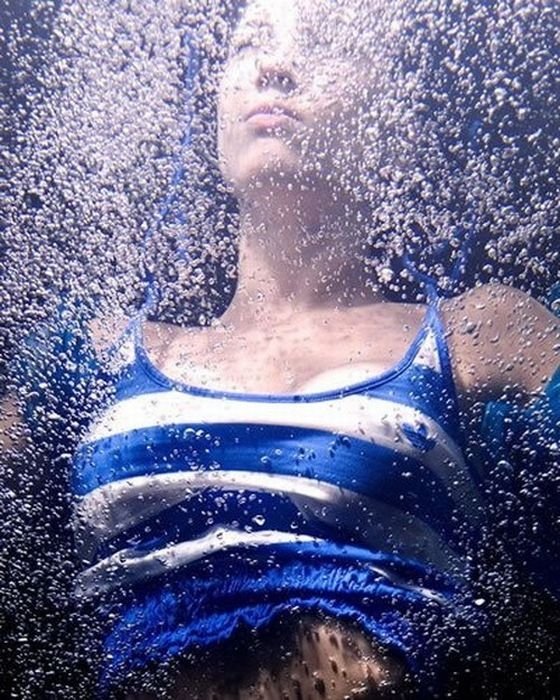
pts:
[311, 659]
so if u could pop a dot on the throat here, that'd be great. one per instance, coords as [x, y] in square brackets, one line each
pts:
[295, 263]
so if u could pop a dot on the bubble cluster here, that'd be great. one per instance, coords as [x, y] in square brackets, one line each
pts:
[111, 192]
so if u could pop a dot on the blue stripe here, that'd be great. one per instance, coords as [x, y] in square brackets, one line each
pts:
[397, 480]
[252, 511]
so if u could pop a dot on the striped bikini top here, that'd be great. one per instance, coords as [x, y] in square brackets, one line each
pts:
[171, 474]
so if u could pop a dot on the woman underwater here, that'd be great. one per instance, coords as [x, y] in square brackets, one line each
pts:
[294, 478]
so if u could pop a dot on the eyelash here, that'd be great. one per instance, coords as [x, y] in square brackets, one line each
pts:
[241, 46]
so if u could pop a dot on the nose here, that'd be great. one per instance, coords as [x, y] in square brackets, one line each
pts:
[275, 72]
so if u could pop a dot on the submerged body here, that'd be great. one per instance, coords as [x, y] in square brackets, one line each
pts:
[180, 482]
[305, 468]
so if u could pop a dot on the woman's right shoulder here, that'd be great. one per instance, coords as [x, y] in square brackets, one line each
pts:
[69, 347]
[60, 358]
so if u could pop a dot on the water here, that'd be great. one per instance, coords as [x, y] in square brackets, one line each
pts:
[418, 157]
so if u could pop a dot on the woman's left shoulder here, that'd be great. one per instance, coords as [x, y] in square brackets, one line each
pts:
[500, 337]
[499, 304]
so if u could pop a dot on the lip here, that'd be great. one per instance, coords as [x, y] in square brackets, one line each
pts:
[262, 121]
[272, 113]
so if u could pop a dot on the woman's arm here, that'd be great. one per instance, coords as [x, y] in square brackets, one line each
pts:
[49, 387]
[506, 353]
[14, 441]
[11, 428]
[504, 344]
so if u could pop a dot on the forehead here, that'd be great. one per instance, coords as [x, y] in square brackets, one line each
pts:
[333, 22]
[273, 13]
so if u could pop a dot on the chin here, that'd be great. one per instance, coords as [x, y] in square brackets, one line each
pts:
[268, 174]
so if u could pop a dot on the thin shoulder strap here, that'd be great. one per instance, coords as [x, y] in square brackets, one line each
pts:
[443, 350]
[122, 351]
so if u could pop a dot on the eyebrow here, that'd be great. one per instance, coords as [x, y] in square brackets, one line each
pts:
[254, 24]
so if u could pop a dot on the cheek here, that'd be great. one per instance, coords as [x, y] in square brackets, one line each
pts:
[338, 103]
[225, 115]
[339, 126]
[337, 144]
[226, 102]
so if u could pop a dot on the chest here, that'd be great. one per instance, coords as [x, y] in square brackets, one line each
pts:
[287, 358]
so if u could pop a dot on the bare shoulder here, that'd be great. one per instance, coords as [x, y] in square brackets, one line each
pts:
[501, 339]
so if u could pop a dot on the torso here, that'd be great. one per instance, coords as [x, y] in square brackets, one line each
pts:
[314, 352]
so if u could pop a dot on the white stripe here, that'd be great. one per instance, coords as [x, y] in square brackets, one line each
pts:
[398, 581]
[361, 417]
[112, 509]
[428, 354]
[128, 566]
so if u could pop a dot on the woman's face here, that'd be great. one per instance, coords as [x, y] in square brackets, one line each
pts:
[294, 97]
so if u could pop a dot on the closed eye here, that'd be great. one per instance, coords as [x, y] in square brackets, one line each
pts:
[241, 46]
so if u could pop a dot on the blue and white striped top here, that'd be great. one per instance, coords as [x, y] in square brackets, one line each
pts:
[174, 473]
[214, 509]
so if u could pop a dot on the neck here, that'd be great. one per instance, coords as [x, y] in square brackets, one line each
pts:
[305, 253]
